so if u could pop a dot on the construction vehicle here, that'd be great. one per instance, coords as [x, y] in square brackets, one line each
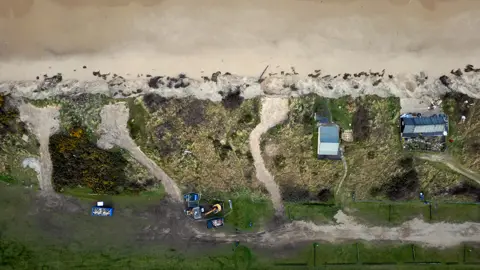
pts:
[214, 211]
[100, 210]
[215, 222]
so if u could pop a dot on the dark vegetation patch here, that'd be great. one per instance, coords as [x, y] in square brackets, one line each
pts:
[9, 116]
[166, 142]
[193, 114]
[154, 102]
[361, 126]
[402, 186]
[406, 163]
[78, 162]
[221, 148]
[465, 188]
[232, 99]
[279, 161]
[462, 103]
[298, 194]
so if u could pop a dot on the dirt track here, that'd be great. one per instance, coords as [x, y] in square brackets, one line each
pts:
[43, 122]
[274, 111]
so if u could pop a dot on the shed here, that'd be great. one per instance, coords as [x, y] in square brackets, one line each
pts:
[329, 142]
[435, 125]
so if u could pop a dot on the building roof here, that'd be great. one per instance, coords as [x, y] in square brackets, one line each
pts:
[328, 140]
[436, 125]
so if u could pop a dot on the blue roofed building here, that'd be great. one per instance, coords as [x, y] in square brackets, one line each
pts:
[424, 133]
[329, 142]
[435, 125]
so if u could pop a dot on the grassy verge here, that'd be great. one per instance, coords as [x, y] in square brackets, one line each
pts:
[382, 255]
[249, 212]
[395, 213]
[7, 179]
[320, 213]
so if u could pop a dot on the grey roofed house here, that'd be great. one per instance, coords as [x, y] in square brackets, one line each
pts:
[329, 142]
[435, 125]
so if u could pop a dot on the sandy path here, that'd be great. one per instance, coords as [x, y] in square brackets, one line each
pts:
[274, 111]
[113, 130]
[43, 122]
[241, 37]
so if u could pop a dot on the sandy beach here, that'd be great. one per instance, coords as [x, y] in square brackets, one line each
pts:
[241, 37]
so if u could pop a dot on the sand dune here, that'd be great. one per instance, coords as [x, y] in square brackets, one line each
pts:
[242, 37]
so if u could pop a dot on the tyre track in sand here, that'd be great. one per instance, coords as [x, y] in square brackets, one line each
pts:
[274, 111]
[113, 130]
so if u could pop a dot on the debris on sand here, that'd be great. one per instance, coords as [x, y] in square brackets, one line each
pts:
[445, 80]
[154, 82]
[49, 82]
[457, 72]
[215, 76]
[100, 75]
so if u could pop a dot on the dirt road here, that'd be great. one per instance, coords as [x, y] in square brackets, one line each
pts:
[43, 122]
[114, 132]
[242, 37]
[274, 111]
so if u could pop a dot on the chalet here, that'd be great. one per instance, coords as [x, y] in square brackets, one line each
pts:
[329, 142]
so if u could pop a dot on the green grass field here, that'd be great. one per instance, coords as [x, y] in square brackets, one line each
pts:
[17, 255]
[319, 213]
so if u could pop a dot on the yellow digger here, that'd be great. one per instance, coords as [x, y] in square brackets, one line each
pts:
[196, 211]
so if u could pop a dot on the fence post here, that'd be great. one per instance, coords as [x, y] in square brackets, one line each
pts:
[389, 213]
[430, 209]
[315, 245]
[413, 253]
[464, 253]
[358, 253]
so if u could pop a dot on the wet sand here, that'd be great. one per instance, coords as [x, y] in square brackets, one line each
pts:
[242, 37]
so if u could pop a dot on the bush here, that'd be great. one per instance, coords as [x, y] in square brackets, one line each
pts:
[78, 162]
